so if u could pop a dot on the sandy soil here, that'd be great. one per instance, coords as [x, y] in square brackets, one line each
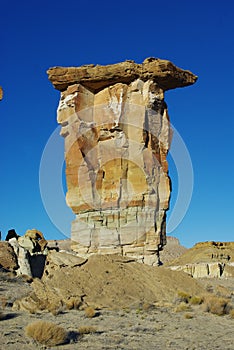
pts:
[160, 327]
[153, 329]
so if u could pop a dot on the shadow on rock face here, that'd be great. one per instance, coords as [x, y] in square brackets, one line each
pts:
[37, 264]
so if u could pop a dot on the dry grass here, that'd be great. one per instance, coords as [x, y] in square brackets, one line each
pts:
[73, 303]
[183, 296]
[4, 302]
[46, 333]
[196, 300]
[216, 305]
[189, 299]
[90, 312]
[87, 329]
[183, 307]
[147, 306]
[56, 309]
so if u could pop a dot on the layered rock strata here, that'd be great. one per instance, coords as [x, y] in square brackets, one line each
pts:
[207, 259]
[117, 135]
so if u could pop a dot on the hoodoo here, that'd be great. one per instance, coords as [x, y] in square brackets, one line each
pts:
[117, 135]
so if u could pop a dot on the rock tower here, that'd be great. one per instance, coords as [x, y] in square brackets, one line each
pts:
[117, 135]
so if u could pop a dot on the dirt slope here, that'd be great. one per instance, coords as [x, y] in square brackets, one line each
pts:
[108, 281]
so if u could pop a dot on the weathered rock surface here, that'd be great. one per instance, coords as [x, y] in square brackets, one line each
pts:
[95, 78]
[207, 259]
[56, 260]
[29, 252]
[117, 135]
[172, 250]
[8, 259]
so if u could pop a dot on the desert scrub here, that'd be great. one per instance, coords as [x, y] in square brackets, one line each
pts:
[195, 300]
[148, 306]
[46, 333]
[56, 309]
[183, 307]
[4, 302]
[216, 305]
[183, 296]
[188, 315]
[73, 303]
[189, 299]
[90, 312]
[231, 313]
[86, 329]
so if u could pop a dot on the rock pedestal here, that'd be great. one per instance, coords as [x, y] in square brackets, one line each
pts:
[117, 135]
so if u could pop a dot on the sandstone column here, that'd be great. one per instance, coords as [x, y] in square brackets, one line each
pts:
[117, 135]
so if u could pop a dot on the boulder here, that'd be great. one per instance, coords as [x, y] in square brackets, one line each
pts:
[8, 259]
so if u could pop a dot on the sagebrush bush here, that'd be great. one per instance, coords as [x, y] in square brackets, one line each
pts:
[216, 305]
[90, 312]
[46, 333]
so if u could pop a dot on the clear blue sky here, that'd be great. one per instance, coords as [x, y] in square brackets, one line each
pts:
[195, 35]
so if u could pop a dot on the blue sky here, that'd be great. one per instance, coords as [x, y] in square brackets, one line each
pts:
[195, 35]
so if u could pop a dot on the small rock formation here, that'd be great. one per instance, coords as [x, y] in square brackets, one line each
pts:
[117, 135]
[28, 252]
[1, 93]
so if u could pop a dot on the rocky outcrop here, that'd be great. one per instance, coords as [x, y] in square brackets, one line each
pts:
[207, 259]
[1, 93]
[201, 270]
[172, 250]
[117, 135]
[8, 258]
[29, 252]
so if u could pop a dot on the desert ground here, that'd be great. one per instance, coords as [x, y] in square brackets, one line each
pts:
[147, 321]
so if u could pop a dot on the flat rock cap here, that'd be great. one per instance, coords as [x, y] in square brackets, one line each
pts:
[96, 77]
